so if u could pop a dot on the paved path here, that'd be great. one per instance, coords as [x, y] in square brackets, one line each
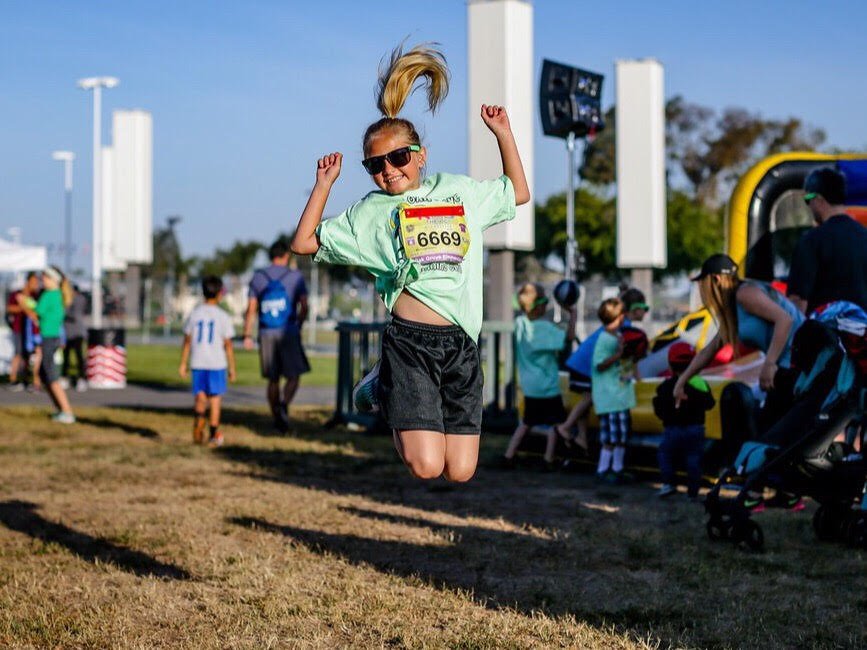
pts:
[136, 395]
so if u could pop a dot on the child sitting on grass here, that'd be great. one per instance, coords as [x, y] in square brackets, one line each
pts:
[538, 343]
[683, 433]
[613, 392]
[207, 346]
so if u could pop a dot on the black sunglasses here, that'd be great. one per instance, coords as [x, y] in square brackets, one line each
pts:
[397, 158]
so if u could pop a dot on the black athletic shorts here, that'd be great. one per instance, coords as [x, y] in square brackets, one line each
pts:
[543, 410]
[430, 378]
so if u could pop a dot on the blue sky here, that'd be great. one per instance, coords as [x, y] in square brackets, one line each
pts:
[246, 95]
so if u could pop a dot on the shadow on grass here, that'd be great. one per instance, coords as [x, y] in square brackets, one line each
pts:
[132, 429]
[381, 475]
[21, 516]
[257, 421]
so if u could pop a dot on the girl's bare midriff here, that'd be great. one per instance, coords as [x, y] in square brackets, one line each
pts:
[410, 308]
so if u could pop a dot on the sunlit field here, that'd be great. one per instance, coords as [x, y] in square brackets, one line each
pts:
[118, 532]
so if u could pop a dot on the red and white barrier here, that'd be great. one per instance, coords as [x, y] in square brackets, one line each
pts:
[106, 359]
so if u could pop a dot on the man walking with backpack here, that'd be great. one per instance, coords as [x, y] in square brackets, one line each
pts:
[278, 295]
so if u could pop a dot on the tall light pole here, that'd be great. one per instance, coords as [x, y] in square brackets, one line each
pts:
[168, 288]
[96, 84]
[66, 157]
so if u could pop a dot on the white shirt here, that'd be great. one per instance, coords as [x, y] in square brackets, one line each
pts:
[208, 328]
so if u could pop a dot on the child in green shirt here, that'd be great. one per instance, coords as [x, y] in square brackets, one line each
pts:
[421, 238]
[538, 343]
[613, 390]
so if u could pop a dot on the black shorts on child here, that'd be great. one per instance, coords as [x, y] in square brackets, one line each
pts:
[543, 410]
[430, 378]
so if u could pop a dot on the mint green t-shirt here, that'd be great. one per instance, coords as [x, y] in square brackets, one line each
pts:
[610, 392]
[369, 234]
[49, 309]
[537, 343]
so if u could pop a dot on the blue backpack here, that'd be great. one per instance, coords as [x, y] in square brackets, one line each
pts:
[275, 305]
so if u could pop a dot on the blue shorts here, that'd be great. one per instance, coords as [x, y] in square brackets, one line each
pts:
[209, 382]
[614, 428]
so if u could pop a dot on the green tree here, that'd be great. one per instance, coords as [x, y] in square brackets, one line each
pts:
[234, 261]
[594, 228]
[708, 151]
[694, 233]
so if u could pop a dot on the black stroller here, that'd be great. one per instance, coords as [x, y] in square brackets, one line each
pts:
[798, 454]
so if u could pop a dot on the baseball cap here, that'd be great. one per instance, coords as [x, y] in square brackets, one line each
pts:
[827, 183]
[52, 273]
[680, 354]
[719, 264]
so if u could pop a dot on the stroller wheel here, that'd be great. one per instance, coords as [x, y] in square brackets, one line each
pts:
[828, 523]
[856, 533]
[748, 534]
[717, 529]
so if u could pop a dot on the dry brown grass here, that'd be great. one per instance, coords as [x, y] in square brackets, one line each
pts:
[117, 532]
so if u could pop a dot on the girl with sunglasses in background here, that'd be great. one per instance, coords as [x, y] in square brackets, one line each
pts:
[421, 238]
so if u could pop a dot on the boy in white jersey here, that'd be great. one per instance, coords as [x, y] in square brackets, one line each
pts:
[207, 347]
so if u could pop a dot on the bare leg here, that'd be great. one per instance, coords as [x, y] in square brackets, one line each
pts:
[37, 364]
[13, 369]
[199, 406]
[215, 404]
[423, 452]
[515, 442]
[461, 457]
[58, 396]
[549, 445]
[577, 414]
[289, 390]
[273, 393]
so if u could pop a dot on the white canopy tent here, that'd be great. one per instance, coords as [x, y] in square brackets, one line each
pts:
[15, 258]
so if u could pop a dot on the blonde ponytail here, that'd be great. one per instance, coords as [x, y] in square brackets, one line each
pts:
[396, 80]
[66, 292]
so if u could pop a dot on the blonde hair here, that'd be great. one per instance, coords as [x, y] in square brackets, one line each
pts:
[610, 310]
[67, 292]
[718, 295]
[397, 81]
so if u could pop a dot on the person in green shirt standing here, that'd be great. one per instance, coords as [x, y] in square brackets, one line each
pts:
[48, 313]
[421, 238]
[538, 344]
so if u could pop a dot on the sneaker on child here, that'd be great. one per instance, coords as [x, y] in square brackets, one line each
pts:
[63, 418]
[666, 491]
[364, 395]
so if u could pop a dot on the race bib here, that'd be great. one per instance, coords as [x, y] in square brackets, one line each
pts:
[434, 233]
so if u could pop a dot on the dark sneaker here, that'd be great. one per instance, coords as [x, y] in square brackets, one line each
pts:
[754, 502]
[507, 463]
[281, 424]
[364, 394]
[791, 502]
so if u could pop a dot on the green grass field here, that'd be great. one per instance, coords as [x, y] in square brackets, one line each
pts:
[117, 532]
[158, 364]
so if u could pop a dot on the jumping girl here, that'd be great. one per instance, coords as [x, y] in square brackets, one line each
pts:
[421, 238]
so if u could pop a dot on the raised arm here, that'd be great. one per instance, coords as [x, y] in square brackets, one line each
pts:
[497, 121]
[327, 171]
